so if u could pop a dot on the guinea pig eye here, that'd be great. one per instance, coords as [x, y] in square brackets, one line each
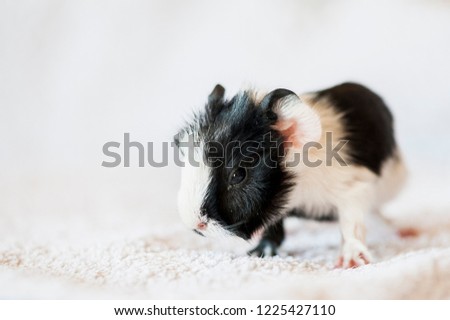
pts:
[237, 176]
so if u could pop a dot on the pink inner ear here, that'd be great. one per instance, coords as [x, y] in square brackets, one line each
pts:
[289, 131]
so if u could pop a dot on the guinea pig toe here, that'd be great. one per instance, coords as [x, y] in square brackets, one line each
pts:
[354, 254]
[408, 232]
[265, 248]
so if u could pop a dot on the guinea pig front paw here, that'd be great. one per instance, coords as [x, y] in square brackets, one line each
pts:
[353, 254]
[265, 248]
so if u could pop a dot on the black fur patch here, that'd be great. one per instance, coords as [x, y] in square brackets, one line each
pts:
[368, 123]
[300, 213]
[257, 201]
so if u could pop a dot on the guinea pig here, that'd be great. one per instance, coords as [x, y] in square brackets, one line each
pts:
[254, 159]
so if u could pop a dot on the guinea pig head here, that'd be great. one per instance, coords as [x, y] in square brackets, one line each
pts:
[234, 181]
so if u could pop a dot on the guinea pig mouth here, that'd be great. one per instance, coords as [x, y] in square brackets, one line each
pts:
[198, 232]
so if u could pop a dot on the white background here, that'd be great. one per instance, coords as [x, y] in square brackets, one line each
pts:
[76, 74]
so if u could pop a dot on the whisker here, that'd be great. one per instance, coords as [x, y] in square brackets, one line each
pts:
[231, 226]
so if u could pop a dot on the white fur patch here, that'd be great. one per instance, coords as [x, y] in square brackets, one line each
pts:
[195, 178]
[353, 191]
[292, 111]
[318, 188]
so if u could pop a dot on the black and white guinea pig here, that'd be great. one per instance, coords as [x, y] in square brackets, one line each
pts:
[254, 159]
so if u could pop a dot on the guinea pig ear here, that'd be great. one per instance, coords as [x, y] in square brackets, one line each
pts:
[217, 94]
[215, 101]
[296, 121]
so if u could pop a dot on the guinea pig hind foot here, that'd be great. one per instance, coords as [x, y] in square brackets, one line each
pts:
[265, 248]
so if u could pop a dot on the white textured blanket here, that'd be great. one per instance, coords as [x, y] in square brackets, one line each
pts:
[85, 253]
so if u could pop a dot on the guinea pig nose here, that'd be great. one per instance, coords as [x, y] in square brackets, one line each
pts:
[201, 226]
